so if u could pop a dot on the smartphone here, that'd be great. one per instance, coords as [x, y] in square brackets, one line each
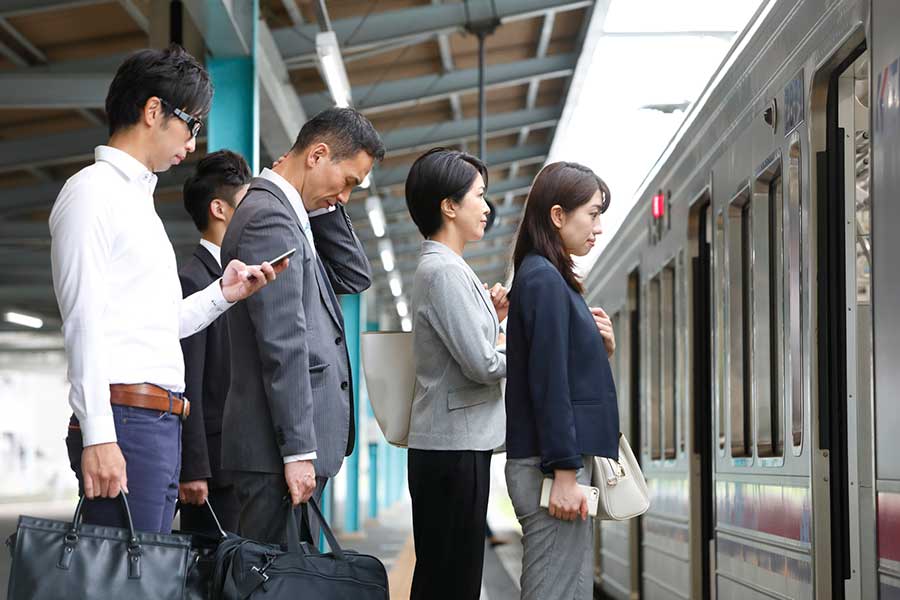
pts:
[592, 493]
[276, 260]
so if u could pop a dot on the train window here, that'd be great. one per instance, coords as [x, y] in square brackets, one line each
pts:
[740, 322]
[681, 353]
[795, 278]
[667, 358]
[653, 311]
[768, 309]
[719, 327]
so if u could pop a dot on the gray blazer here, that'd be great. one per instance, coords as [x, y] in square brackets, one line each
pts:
[458, 403]
[291, 388]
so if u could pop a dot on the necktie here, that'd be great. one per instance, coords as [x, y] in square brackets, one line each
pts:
[307, 231]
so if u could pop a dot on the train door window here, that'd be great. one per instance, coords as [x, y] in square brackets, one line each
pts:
[653, 338]
[667, 357]
[681, 351]
[740, 321]
[768, 308]
[720, 283]
[795, 240]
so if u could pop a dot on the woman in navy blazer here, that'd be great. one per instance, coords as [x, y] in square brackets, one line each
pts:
[561, 406]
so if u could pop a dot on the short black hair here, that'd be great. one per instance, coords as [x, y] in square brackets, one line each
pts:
[171, 74]
[439, 173]
[346, 132]
[218, 175]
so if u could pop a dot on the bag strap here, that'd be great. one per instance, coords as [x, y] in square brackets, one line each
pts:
[70, 541]
[293, 532]
[215, 518]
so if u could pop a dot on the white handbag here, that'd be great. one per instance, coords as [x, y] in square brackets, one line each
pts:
[623, 490]
[389, 368]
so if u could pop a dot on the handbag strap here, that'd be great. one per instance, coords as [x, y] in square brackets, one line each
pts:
[293, 531]
[70, 541]
[212, 513]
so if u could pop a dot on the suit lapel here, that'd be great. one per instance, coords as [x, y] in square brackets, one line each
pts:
[208, 261]
[326, 292]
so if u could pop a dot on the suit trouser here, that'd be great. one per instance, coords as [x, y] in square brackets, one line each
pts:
[557, 556]
[449, 490]
[224, 502]
[150, 441]
[263, 513]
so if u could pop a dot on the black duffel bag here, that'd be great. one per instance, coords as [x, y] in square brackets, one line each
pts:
[55, 559]
[246, 569]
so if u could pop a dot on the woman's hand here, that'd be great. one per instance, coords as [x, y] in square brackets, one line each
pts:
[604, 326]
[499, 299]
[567, 500]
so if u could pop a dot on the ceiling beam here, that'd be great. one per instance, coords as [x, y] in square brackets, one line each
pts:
[367, 31]
[410, 139]
[20, 8]
[402, 93]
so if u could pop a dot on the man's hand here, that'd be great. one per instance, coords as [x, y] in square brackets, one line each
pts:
[301, 480]
[193, 492]
[567, 500]
[103, 471]
[240, 281]
[604, 326]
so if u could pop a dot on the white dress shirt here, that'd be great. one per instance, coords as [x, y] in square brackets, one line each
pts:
[296, 203]
[216, 251]
[117, 286]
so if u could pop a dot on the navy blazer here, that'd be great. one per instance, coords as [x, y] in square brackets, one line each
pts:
[560, 395]
[207, 368]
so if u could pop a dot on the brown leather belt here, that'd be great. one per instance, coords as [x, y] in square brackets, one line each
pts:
[145, 395]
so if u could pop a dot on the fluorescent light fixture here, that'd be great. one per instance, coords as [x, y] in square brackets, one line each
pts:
[396, 285]
[331, 65]
[366, 182]
[386, 252]
[376, 215]
[24, 320]
[402, 308]
[406, 323]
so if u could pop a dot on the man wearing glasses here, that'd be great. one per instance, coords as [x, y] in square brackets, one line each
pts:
[117, 286]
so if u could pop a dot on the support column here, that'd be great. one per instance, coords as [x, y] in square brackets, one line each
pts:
[234, 117]
[352, 308]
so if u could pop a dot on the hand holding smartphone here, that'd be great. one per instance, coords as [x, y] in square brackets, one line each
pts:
[281, 257]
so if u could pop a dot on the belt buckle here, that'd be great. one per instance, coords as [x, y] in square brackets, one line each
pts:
[185, 409]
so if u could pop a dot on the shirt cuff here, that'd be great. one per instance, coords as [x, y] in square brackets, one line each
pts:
[322, 211]
[299, 457]
[214, 297]
[98, 430]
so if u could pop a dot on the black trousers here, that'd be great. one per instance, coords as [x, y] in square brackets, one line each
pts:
[263, 515]
[223, 500]
[449, 490]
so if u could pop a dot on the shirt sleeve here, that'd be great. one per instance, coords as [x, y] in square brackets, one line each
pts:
[200, 309]
[299, 457]
[82, 231]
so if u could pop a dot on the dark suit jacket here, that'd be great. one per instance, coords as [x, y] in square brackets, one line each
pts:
[206, 376]
[560, 395]
[291, 391]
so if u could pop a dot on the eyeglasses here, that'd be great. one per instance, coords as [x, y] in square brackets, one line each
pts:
[193, 123]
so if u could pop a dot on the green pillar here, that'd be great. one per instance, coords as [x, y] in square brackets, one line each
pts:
[234, 116]
[352, 308]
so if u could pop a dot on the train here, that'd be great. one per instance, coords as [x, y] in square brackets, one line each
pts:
[755, 306]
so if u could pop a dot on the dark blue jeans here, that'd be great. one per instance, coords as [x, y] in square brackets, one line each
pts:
[151, 443]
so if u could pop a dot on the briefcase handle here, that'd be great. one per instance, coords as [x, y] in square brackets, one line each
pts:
[70, 542]
[215, 518]
[293, 532]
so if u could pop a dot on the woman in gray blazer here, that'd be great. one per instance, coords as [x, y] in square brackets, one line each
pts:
[458, 417]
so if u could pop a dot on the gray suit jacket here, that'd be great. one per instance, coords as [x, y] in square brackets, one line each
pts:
[458, 404]
[291, 388]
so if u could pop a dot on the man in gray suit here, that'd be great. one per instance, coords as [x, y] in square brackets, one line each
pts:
[288, 419]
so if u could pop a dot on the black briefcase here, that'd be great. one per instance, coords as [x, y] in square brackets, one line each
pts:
[54, 559]
[252, 570]
[198, 585]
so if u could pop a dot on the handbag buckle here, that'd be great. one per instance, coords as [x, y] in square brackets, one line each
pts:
[260, 573]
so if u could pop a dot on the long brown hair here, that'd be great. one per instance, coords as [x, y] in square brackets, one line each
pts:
[569, 185]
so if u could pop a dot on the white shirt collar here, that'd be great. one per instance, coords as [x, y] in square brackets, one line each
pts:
[216, 251]
[290, 192]
[133, 169]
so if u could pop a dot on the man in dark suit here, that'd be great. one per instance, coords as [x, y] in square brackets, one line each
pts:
[211, 195]
[289, 417]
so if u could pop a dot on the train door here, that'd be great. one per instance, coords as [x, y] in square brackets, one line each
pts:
[635, 525]
[701, 487]
[846, 389]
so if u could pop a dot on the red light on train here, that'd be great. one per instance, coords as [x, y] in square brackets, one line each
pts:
[659, 206]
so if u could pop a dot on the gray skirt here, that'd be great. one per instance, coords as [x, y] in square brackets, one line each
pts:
[557, 558]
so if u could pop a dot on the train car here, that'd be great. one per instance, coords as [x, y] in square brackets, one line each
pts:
[756, 310]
